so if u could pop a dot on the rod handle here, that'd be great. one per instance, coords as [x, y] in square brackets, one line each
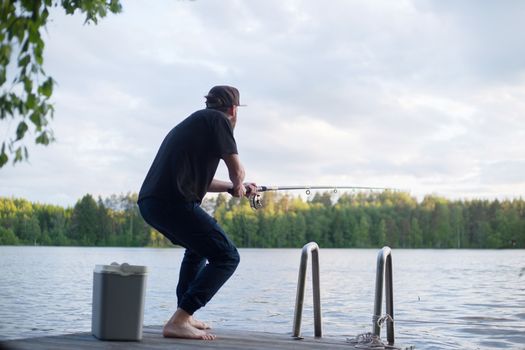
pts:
[259, 189]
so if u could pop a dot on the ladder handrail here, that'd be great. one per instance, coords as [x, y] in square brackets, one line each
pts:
[309, 249]
[384, 273]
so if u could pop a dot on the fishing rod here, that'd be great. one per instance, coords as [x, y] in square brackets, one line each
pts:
[309, 188]
[256, 203]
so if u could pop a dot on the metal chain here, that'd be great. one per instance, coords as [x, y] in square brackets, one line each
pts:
[371, 341]
[381, 320]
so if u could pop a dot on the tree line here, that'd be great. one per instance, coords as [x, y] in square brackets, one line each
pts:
[114, 221]
[350, 220]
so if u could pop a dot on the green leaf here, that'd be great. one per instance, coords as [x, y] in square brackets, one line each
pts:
[35, 69]
[21, 130]
[34, 34]
[115, 6]
[3, 156]
[44, 16]
[39, 52]
[49, 108]
[43, 139]
[27, 5]
[31, 101]
[23, 62]
[46, 88]
[18, 155]
[28, 85]
[3, 104]
[70, 9]
[14, 99]
[5, 54]
[36, 119]
[3, 76]
[25, 46]
[22, 109]
[6, 107]
[18, 29]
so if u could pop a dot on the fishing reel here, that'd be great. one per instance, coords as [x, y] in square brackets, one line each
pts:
[255, 201]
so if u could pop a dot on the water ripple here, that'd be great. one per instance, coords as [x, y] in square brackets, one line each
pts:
[443, 299]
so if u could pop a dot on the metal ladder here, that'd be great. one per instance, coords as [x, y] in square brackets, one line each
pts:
[384, 274]
[309, 249]
[383, 278]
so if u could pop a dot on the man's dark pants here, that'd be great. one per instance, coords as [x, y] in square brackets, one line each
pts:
[188, 225]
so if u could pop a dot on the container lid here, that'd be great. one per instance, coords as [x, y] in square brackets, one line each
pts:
[123, 269]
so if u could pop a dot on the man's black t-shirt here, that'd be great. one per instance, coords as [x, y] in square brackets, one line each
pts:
[188, 157]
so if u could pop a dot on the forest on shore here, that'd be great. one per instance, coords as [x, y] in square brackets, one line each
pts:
[342, 220]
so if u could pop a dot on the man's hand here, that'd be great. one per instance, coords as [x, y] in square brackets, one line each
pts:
[251, 188]
[246, 189]
[238, 191]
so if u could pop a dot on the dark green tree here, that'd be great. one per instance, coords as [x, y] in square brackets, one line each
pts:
[381, 233]
[84, 228]
[324, 198]
[337, 228]
[356, 220]
[363, 231]
[8, 237]
[104, 223]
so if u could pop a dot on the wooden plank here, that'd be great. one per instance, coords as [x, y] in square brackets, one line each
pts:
[152, 339]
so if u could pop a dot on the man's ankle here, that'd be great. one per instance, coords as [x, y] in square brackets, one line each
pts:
[181, 316]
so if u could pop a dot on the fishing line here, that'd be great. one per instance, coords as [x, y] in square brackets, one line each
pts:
[256, 203]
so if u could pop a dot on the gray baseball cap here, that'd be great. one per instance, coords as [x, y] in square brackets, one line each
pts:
[223, 96]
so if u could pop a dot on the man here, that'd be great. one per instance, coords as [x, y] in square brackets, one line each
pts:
[181, 174]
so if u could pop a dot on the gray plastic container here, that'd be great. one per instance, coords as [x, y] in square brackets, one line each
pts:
[118, 301]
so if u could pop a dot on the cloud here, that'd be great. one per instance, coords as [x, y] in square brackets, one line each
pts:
[492, 35]
[424, 95]
[510, 172]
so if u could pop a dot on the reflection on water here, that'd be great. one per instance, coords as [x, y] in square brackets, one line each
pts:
[444, 299]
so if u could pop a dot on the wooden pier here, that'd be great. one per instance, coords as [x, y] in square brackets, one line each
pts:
[152, 339]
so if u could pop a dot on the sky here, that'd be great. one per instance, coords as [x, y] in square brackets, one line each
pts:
[424, 96]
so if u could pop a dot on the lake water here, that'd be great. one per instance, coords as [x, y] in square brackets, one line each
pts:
[443, 299]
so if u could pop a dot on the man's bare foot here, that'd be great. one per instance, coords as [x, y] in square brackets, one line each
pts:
[185, 330]
[183, 325]
[198, 324]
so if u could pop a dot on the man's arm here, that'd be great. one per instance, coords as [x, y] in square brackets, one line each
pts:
[236, 174]
[226, 186]
[219, 186]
